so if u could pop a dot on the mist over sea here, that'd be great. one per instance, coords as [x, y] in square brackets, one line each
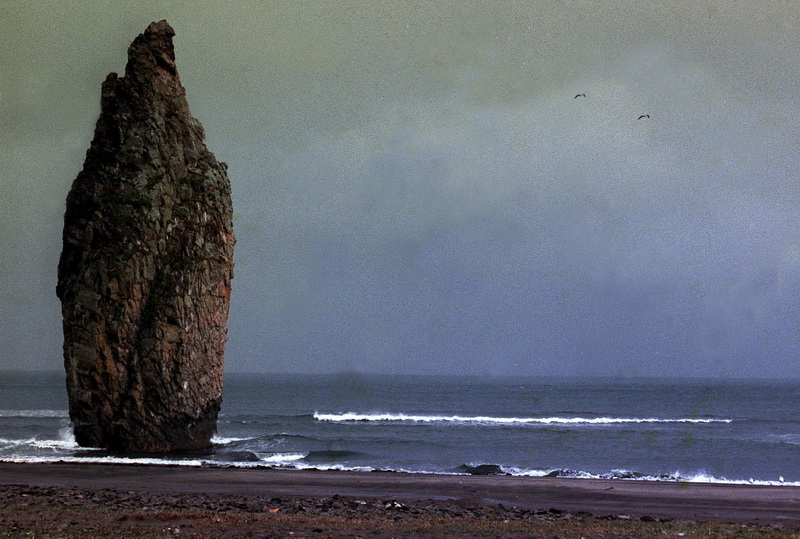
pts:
[676, 430]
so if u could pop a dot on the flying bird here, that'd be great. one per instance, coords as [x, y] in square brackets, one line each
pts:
[643, 116]
[579, 95]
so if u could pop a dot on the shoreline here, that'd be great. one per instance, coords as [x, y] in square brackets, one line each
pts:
[758, 505]
[464, 469]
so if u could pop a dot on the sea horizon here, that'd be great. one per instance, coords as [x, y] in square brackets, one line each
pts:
[482, 376]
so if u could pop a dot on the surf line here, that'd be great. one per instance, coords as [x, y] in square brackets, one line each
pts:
[387, 417]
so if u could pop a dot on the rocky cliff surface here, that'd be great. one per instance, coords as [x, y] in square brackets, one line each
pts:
[145, 273]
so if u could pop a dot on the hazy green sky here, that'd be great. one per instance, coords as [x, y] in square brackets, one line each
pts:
[417, 191]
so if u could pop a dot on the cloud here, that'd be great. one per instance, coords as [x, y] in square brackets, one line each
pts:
[537, 235]
[416, 189]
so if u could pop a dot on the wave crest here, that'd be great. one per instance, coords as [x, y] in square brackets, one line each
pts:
[487, 420]
[33, 413]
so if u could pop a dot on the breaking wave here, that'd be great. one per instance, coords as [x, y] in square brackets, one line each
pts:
[304, 461]
[627, 475]
[221, 440]
[33, 413]
[486, 420]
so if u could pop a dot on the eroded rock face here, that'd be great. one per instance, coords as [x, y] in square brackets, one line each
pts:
[145, 272]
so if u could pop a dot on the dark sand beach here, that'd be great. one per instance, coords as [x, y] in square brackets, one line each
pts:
[66, 500]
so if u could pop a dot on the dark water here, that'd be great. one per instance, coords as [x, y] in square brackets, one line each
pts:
[678, 430]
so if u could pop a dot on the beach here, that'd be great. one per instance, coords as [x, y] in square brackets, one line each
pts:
[118, 500]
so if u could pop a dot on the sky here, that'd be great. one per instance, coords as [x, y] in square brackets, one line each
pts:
[417, 190]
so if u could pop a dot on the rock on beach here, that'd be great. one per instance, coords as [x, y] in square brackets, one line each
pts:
[145, 271]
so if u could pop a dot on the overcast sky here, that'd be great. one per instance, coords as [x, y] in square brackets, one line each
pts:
[416, 190]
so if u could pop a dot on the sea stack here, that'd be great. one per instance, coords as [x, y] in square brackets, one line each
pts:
[145, 272]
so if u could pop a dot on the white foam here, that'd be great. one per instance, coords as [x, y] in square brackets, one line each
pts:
[485, 420]
[282, 458]
[294, 461]
[677, 477]
[337, 467]
[54, 444]
[545, 473]
[104, 460]
[8, 442]
[220, 440]
[34, 413]
[701, 477]
[61, 444]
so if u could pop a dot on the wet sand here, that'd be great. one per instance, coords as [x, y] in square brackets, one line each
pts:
[503, 498]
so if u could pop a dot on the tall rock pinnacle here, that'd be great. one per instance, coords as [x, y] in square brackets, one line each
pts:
[145, 273]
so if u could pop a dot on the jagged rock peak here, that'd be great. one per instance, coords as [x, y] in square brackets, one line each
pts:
[153, 52]
[157, 40]
[145, 270]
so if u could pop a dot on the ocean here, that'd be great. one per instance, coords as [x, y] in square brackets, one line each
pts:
[669, 430]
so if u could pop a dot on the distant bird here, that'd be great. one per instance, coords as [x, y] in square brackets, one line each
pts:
[643, 116]
[579, 95]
